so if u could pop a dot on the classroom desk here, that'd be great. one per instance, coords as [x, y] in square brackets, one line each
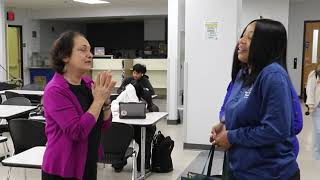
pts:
[151, 118]
[9, 111]
[31, 158]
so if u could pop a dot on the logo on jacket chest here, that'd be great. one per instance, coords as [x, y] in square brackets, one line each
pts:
[247, 93]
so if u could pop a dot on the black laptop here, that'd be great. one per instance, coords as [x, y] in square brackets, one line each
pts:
[132, 110]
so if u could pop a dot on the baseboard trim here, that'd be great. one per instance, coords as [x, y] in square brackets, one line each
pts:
[173, 122]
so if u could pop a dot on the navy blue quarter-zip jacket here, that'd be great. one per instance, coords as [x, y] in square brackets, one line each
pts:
[259, 124]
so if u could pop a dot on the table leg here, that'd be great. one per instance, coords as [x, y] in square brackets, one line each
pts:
[143, 151]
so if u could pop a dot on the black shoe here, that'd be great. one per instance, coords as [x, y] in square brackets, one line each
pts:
[118, 169]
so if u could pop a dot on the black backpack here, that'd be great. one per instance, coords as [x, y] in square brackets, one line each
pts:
[161, 153]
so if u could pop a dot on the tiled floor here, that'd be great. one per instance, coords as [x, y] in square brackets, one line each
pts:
[310, 169]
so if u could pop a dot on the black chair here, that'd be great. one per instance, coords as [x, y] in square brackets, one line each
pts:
[115, 142]
[6, 86]
[35, 99]
[10, 94]
[19, 101]
[26, 134]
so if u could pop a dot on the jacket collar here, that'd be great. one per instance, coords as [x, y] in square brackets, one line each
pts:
[59, 79]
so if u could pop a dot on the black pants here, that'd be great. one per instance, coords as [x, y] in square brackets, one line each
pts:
[150, 130]
[296, 176]
[46, 176]
[90, 173]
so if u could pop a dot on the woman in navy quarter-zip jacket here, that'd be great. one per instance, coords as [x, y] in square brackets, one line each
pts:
[258, 131]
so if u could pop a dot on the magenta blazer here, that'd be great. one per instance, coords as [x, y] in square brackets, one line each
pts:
[67, 129]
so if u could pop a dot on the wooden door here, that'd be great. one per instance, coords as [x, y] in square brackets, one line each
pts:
[310, 62]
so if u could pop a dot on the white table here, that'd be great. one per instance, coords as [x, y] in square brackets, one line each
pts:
[151, 118]
[31, 158]
[8, 111]
[25, 92]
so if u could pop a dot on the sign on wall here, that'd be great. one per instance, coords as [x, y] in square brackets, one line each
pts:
[211, 30]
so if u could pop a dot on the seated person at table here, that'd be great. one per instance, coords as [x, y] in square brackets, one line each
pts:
[138, 74]
[134, 93]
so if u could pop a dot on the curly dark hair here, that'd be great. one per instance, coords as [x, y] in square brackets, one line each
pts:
[62, 48]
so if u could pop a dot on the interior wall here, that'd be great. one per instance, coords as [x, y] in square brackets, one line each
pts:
[50, 31]
[30, 44]
[299, 12]
[2, 42]
[271, 9]
[208, 63]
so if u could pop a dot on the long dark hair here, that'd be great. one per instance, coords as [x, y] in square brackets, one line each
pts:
[268, 45]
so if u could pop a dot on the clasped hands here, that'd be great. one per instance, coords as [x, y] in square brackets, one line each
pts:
[102, 88]
[219, 136]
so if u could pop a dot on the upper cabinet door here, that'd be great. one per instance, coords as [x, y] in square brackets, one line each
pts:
[154, 30]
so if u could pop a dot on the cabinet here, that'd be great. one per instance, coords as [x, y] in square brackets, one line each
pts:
[156, 69]
[154, 30]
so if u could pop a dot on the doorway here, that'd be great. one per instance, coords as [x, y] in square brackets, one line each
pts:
[14, 52]
[311, 50]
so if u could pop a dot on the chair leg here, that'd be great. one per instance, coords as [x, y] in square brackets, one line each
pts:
[9, 173]
[8, 150]
[134, 166]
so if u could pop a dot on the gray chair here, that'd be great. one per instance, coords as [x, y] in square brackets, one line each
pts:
[10, 94]
[19, 101]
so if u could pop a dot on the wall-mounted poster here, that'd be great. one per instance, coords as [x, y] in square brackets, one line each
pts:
[211, 30]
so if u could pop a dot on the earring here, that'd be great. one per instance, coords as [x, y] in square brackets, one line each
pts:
[65, 68]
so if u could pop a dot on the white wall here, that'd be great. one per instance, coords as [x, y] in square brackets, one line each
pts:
[50, 31]
[2, 42]
[299, 12]
[209, 64]
[271, 9]
[22, 17]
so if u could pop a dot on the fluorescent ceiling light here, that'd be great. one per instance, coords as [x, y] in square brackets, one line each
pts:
[92, 1]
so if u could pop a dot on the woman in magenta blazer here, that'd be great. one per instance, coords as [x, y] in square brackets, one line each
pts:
[75, 110]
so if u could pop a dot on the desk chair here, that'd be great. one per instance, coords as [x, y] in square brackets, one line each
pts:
[10, 94]
[26, 134]
[19, 101]
[115, 142]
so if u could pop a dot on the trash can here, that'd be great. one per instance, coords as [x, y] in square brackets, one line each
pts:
[180, 113]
